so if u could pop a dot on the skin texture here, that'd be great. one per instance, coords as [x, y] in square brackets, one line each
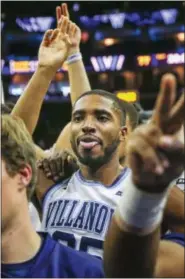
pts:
[96, 117]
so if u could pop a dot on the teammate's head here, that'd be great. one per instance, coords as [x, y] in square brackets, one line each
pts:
[18, 167]
[97, 127]
[132, 120]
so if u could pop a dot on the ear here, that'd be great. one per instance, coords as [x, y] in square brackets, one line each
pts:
[25, 175]
[123, 133]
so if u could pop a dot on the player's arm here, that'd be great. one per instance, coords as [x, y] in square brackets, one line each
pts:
[52, 53]
[29, 104]
[170, 260]
[76, 72]
[79, 82]
[174, 218]
[132, 246]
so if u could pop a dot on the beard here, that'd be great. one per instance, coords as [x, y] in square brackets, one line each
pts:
[96, 162]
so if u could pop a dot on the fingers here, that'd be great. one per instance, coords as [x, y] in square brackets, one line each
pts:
[71, 29]
[147, 155]
[177, 115]
[57, 169]
[45, 166]
[54, 35]
[58, 14]
[67, 39]
[171, 144]
[165, 100]
[46, 38]
[64, 25]
[65, 11]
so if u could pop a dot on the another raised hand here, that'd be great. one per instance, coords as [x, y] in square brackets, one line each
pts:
[55, 46]
[154, 152]
[74, 32]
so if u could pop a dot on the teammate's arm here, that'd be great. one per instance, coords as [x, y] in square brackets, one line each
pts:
[174, 218]
[79, 82]
[170, 260]
[133, 247]
[52, 53]
[29, 104]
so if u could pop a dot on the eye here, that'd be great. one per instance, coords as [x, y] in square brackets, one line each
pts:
[103, 118]
[77, 118]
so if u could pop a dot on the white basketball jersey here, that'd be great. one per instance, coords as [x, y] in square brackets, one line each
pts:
[34, 217]
[77, 212]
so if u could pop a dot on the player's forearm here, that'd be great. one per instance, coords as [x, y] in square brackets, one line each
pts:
[79, 82]
[63, 140]
[174, 216]
[129, 255]
[29, 104]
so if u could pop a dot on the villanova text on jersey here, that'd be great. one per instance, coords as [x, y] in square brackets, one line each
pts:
[78, 212]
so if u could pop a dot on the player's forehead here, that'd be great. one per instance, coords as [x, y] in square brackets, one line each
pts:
[93, 103]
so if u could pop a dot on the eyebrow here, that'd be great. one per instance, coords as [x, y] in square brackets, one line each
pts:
[97, 111]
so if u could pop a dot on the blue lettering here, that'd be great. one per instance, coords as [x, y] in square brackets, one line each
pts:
[60, 219]
[101, 219]
[56, 213]
[69, 221]
[91, 216]
[80, 218]
[50, 211]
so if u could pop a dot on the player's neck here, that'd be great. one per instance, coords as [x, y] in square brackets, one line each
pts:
[19, 241]
[106, 174]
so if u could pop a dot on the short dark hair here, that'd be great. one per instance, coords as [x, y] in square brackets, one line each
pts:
[7, 108]
[132, 113]
[108, 95]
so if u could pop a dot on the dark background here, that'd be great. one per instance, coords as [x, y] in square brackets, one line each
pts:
[132, 39]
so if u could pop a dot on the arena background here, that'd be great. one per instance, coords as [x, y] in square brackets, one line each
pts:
[126, 47]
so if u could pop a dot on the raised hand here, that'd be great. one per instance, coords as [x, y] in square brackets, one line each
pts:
[154, 153]
[55, 46]
[75, 32]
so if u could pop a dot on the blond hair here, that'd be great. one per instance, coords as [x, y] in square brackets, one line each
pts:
[17, 148]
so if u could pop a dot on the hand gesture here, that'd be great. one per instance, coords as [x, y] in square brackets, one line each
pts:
[75, 32]
[59, 165]
[55, 46]
[154, 153]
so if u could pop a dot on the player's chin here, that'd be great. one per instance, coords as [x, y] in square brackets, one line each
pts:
[91, 154]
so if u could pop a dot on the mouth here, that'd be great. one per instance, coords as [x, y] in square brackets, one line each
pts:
[88, 142]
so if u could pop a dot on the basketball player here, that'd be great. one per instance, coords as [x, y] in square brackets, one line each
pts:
[35, 219]
[78, 211]
[44, 185]
[25, 253]
[156, 157]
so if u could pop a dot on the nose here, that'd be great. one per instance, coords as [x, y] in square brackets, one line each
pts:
[88, 127]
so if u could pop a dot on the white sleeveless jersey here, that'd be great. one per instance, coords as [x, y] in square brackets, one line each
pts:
[77, 212]
[34, 217]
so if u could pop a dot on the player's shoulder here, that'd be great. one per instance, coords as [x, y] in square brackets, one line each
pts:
[55, 188]
[75, 263]
[175, 237]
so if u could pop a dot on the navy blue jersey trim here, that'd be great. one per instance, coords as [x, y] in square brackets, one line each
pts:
[117, 181]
